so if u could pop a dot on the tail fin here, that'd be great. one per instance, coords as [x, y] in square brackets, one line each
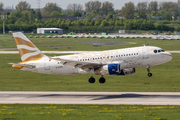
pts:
[27, 50]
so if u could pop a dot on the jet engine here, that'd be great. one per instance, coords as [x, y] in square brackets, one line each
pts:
[114, 69]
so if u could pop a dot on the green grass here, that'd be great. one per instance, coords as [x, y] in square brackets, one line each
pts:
[6, 41]
[88, 112]
[165, 79]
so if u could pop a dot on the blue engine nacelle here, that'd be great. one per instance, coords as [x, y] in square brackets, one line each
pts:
[114, 69]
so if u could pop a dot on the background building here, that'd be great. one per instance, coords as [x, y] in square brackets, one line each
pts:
[49, 30]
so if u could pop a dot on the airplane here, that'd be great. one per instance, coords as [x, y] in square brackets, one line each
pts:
[118, 62]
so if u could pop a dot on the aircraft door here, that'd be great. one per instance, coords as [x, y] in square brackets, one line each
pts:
[145, 53]
[46, 64]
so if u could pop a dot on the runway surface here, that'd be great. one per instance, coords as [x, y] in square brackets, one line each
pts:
[64, 52]
[112, 98]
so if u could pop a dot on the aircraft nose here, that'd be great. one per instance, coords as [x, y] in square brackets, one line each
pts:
[169, 56]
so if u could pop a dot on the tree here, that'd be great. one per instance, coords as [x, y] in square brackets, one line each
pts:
[76, 14]
[107, 7]
[22, 6]
[55, 14]
[141, 9]
[109, 16]
[167, 16]
[31, 15]
[93, 5]
[98, 22]
[128, 10]
[14, 16]
[50, 7]
[167, 5]
[75, 7]
[153, 6]
[38, 14]
[1, 6]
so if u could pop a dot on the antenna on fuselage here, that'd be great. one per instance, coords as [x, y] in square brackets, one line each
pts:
[144, 45]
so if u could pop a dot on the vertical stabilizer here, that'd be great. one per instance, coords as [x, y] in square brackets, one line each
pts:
[27, 50]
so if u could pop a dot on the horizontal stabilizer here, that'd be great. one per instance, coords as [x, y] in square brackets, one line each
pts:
[23, 65]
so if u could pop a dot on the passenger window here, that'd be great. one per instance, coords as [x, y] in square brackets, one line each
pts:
[159, 51]
[119, 55]
[129, 54]
[155, 51]
[137, 53]
[107, 56]
[111, 56]
[126, 54]
[134, 54]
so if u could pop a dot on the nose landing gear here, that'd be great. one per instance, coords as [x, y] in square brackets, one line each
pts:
[149, 73]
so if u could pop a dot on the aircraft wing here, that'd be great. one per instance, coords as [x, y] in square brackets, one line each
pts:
[79, 64]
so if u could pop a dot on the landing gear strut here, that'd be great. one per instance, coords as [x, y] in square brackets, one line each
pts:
[92, 79]
[149, 73]
[102, 80]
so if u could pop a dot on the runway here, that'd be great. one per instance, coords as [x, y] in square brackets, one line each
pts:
[64, 52]
[111, 98]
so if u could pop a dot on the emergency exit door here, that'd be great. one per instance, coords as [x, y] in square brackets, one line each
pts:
[145, 53]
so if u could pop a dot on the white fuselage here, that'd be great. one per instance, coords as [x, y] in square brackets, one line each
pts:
[127, 58]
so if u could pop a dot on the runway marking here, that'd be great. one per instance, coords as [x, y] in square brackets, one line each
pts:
[111, 98]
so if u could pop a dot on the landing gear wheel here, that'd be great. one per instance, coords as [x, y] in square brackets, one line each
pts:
[102, 80]
[91, 80]
[150, 74]
[148, 69]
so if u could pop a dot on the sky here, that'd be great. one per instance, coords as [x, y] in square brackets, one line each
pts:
[63, 4]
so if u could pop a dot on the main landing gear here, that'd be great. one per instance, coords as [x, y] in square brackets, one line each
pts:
[149, 73]
[92, 79]
[101, 80]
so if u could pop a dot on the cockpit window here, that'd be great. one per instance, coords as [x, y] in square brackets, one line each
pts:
[158, 51]
[162, 51]
[155, 51]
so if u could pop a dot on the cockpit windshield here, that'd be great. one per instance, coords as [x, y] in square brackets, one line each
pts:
[162, 51]
[159, 51]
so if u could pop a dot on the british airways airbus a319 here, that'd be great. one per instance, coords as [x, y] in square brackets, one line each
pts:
[111, 62]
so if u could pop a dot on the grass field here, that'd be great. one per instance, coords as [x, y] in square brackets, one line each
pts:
[88, 112]
[165, 79]
[6, 41]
